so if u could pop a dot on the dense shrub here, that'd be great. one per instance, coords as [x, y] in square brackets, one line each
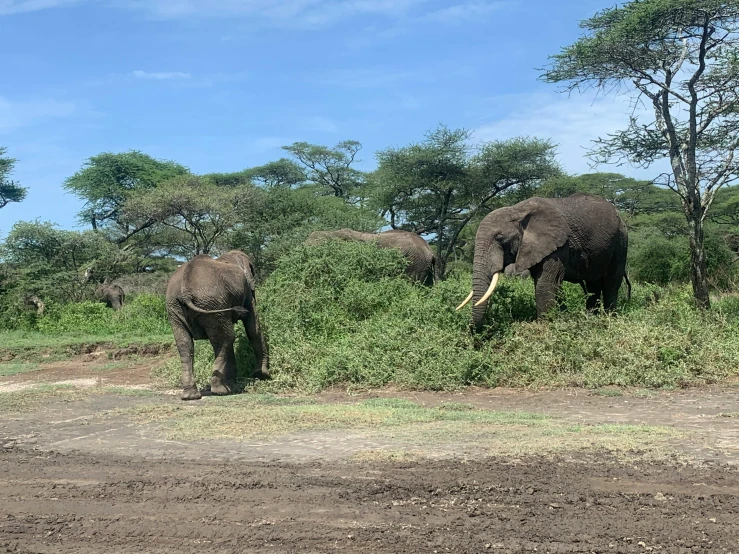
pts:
[661, 259]
[144, 315]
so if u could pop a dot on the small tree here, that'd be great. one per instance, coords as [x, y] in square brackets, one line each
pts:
[330, 168]
[109, 180]
[10, 191]
[680, 57]
[194, 216]
[280, 173]
[437, 187]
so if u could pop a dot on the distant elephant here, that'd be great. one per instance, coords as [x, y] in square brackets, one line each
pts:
[579, 239]
[421, 259]
[205, 297]
[109, 293]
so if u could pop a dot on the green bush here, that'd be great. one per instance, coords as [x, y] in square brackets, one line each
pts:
[339, 314]
[144, 315]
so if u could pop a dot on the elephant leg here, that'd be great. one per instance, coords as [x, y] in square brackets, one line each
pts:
[593, 293]
[548, 281]
[221, 336]
[610, 293]
[185, 347]
[258, 344]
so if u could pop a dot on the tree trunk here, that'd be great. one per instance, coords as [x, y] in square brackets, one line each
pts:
[698, 273]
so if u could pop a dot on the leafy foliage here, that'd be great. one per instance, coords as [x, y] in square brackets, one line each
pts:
[437, 187]
[328, 326]
[329, 169]
[10, 191]
[680, 56]
[108, 180]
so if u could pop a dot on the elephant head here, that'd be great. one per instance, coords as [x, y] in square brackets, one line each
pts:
[523, 236]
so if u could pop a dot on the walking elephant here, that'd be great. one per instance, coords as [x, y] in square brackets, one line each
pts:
[205, 297]
[421, 259]
[579, 239]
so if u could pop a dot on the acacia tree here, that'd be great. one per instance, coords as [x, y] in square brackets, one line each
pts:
[679, 57]
[330, 168]
[437, 187]
[107, 181]
[10, 191]
[197, 214]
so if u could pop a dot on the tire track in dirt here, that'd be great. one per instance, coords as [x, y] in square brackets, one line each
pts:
[84, 503]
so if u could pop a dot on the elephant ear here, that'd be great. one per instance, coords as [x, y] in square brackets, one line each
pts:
[544, 230]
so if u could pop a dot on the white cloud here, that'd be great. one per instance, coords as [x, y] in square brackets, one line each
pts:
[8, 7]
[464, 12]
[571, 123]
[281, 13]
[14, 115]
[161, 76]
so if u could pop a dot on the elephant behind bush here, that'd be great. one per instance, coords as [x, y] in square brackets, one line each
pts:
[421, 259]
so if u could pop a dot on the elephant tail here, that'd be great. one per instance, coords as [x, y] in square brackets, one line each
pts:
[240, 310]
[628, 285]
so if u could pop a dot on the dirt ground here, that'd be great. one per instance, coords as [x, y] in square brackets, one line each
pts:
[78, 475]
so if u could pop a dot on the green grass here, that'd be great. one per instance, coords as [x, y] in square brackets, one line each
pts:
[34, 346]
[401, 424]
[16, 368]
[32, 398]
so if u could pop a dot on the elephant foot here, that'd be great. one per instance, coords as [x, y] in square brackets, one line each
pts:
[261, 374]
[219, 388]
[191, 393]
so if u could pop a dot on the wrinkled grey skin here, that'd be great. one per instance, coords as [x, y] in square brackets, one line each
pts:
[111, 294]
[421, 258]
[205, 297]
[579, 239]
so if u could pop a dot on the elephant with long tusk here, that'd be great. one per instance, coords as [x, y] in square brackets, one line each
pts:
[578, 239]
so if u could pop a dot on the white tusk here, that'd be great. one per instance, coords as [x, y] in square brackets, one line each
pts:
[463, 304]
[490, 290]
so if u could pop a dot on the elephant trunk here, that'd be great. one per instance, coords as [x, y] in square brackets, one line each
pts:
[487, 264]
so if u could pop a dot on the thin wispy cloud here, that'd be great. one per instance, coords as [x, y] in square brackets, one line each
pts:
[17, 114]
[9, 7]
[571, 123]
[280, 13]
[161, 75]
[464, 12]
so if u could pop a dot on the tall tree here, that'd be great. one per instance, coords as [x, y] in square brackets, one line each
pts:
[194, 215]
[280, 173]
[10, 191]
[51, 262]
[331, 168]
[108, 180]
[680, 56]
[438, 186]
[631, 196]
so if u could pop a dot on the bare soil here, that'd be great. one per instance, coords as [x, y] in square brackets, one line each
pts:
[80, 477]
[78, 503]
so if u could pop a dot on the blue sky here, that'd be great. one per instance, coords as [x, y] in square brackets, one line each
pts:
[220, 85]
